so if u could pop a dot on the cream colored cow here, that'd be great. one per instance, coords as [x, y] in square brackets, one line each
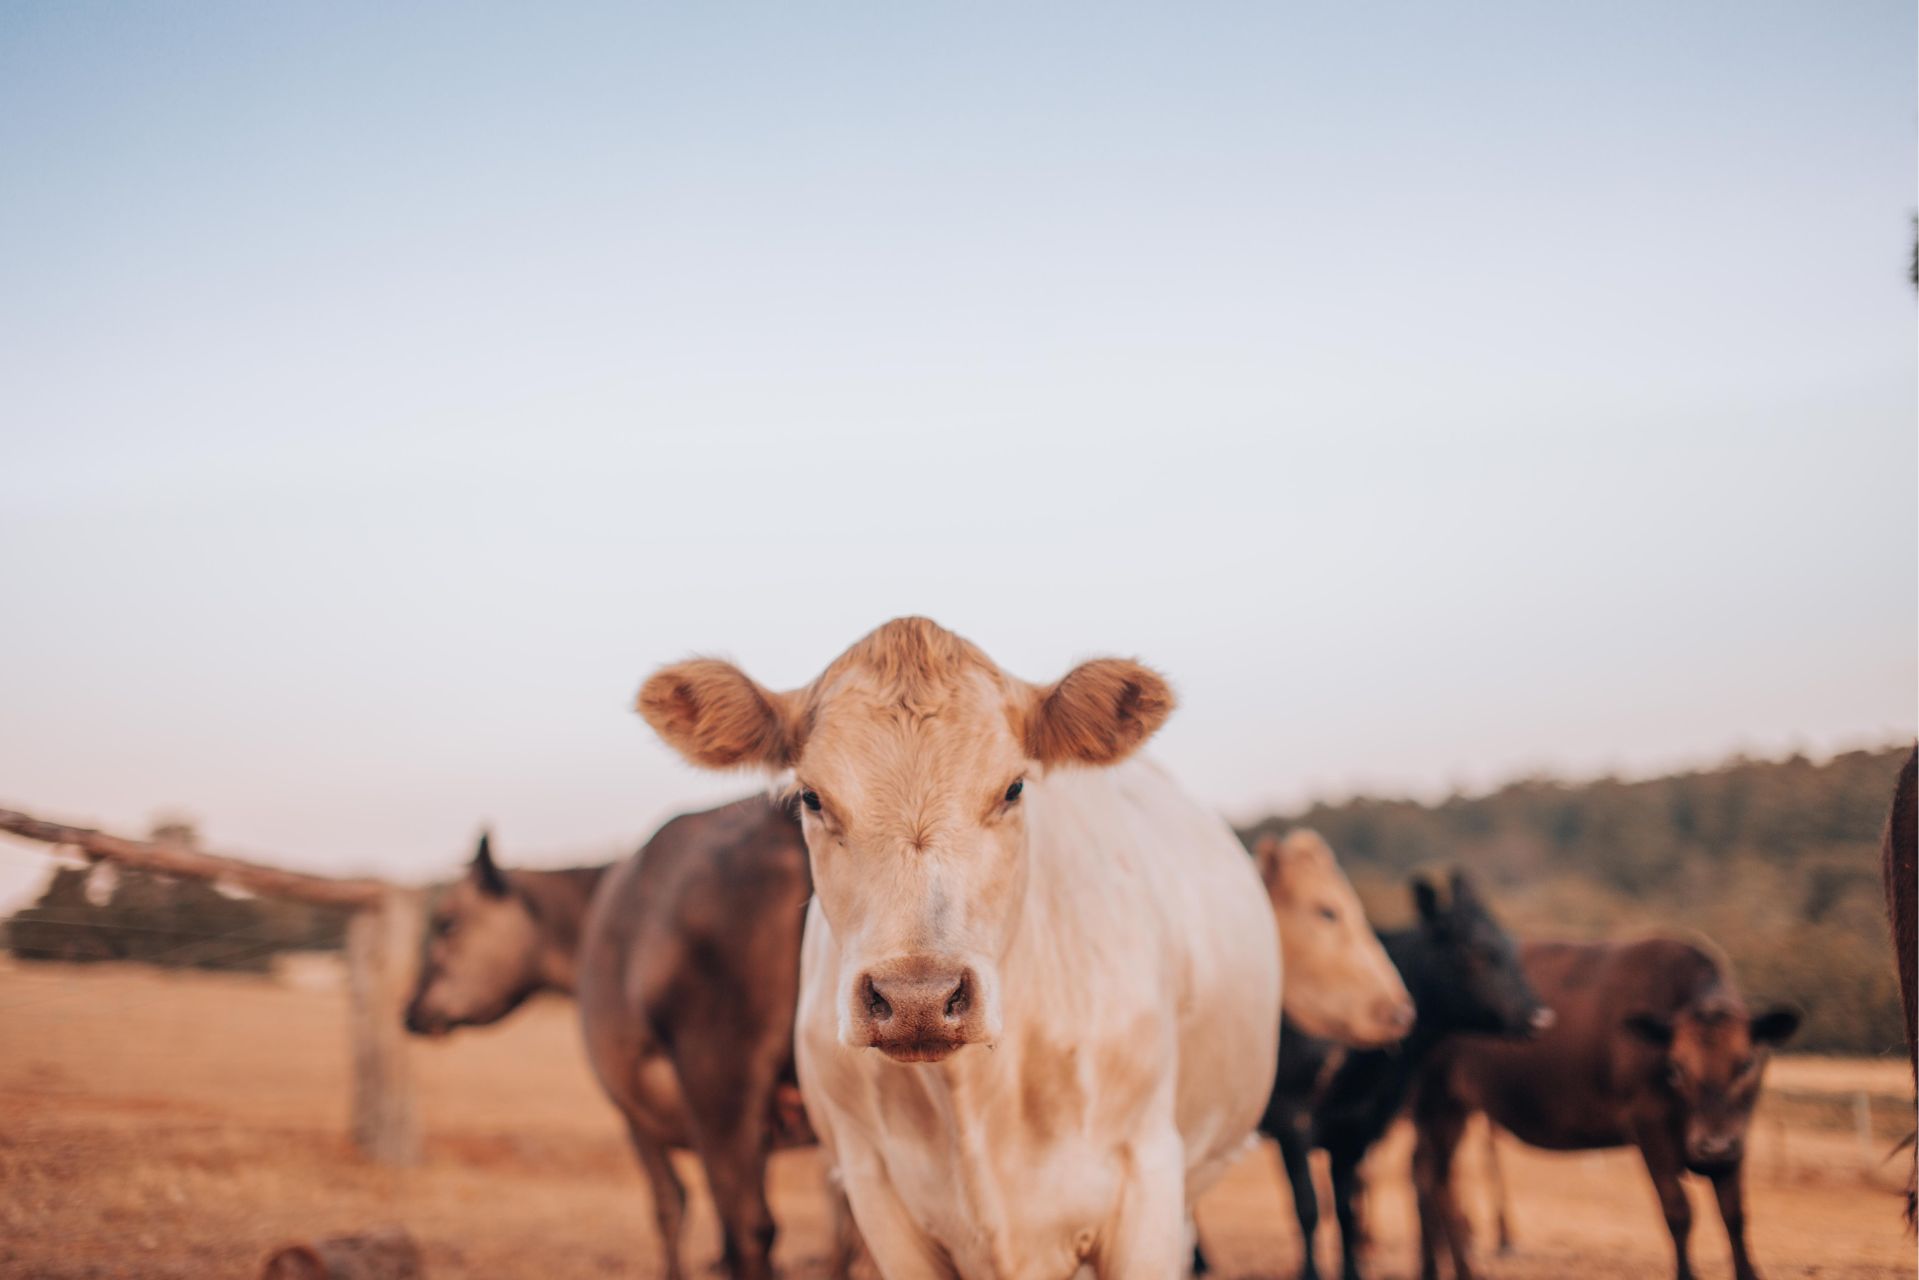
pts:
[1039, 991]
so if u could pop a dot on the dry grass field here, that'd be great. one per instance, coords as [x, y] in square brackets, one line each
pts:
[178, 1125]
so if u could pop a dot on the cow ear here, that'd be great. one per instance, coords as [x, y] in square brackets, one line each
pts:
[1775, 1025]
[1268, 854]
[712, 713]
[1651, 1028]
[1099, 714]
[486, 873]
[1426, 899]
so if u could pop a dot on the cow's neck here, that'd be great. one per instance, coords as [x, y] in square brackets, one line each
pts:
[559, 902]
[1411, 953]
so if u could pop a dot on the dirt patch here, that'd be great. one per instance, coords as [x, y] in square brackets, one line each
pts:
[157, 1125]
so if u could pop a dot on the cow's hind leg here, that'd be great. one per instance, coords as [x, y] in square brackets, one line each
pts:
[1496, 1176]
[669, 1195]
[729, 1097]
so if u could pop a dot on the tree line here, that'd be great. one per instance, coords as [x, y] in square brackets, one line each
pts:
[1777, 862]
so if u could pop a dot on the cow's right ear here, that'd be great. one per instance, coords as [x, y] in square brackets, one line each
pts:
[1775, 1025]
[486, 873]
[1268, 854]
[1651, 1028]
[713, 713]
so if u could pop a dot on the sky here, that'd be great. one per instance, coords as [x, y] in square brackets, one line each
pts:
[1437, 394]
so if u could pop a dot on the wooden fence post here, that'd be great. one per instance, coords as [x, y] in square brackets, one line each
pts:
[382, 942]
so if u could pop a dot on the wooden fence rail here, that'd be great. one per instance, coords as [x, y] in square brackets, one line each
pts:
[383, 938]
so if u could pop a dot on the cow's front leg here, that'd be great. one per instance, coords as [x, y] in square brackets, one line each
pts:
[1664, 1163]
[1149, 1240]
[894, 1241]
[1732, 1208]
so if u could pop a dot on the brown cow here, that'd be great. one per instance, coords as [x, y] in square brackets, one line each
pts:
[1652, 1047]
[1900, 860]
[495, 938]
[686, 969]
[688, 980]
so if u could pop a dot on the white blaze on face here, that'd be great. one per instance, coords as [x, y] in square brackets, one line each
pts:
[919, 856]
[909, 757]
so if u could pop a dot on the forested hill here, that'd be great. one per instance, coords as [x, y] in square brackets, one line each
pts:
[1776, 861]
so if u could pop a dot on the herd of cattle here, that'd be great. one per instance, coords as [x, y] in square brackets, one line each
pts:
[1028, 997]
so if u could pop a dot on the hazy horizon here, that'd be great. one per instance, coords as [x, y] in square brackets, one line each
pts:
[1436, 397]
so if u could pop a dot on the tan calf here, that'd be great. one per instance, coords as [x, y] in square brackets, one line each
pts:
[1340, 985]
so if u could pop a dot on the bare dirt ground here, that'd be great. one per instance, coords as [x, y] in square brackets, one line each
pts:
[161, 1125]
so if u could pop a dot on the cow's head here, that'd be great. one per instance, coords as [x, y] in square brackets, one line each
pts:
[1476, 983]
[1713, 1053]
[483, 952]
[1339, 983]
[911, 759]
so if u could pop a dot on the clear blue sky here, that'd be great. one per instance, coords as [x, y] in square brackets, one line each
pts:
[1435, 392]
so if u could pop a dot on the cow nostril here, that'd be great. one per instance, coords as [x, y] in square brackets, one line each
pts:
[961, 998]
[876, 1004]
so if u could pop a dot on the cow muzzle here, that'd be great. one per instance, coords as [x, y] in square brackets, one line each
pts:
[917, 1008]
[1711, 1153]
[422, 1022]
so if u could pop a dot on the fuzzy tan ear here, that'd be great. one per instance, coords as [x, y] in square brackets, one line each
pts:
[1099, 714]
[713, 713]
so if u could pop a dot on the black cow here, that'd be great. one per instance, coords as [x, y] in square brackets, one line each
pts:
[1464, 975]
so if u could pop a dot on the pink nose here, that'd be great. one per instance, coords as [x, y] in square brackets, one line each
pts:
[916, 1009]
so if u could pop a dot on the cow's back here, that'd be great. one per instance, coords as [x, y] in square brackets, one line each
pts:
[702, 923]
[1574, 1086]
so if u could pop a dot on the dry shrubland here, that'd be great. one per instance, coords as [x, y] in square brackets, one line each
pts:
[1775, 861]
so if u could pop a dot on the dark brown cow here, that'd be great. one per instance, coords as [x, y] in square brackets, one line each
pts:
[1652, 1047]
[686, 970]
[688, 979]
[1900, 859]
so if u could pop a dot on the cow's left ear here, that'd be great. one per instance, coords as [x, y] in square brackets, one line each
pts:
[716, 716]
[1099, 714]
[1268, 854]
[486, 872]
[1775, 1025]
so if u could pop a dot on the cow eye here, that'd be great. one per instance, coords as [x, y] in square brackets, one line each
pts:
[1327, 913]
[1012, 792]
[811, 799]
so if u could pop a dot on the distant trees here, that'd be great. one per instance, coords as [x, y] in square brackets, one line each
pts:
[163, 921]
[1776, 861]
